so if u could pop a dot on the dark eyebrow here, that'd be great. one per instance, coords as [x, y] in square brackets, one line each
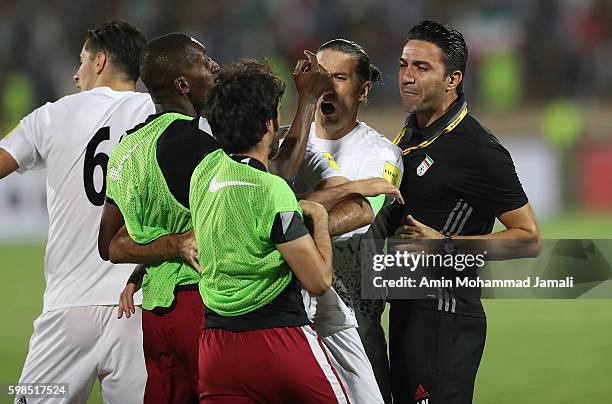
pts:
[422, 63]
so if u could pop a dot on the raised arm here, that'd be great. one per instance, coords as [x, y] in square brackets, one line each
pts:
[311, 81]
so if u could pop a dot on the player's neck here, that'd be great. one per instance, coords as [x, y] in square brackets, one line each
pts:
[173, 104]
[425, 119]
[259, 152]
[115, 84]
[333, 133]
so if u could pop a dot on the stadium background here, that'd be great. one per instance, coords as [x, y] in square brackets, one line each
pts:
[538, 76]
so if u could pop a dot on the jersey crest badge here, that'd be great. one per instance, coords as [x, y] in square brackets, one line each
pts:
[424, 166]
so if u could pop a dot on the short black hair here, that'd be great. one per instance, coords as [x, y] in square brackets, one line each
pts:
[165, 58]
[366, 71]
[121, 41]
[245, 96]
[449, 40]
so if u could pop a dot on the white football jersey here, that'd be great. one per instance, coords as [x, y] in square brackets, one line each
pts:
[360, 154]
[316, 167]
[73, 138]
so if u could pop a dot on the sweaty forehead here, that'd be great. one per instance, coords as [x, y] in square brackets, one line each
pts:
[423, 51]
[336, 61]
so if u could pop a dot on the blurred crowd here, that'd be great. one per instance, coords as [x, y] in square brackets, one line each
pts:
[520, 50]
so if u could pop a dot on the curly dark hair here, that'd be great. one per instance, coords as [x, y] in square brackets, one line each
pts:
[245, 96]
[121, 41]
[449, 40]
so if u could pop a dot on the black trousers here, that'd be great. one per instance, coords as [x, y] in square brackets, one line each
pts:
[373, 338]
[434, 355]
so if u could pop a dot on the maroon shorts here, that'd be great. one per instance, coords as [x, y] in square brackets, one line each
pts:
[170, 340]
[274, 365]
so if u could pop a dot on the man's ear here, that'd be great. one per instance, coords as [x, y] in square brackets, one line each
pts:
[182, 85]
[364, 91]
[453, 80]
[271, 125]
[101, 61]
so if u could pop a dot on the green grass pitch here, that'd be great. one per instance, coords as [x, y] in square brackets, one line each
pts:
[537, 351]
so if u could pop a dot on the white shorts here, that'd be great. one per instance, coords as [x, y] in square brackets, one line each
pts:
[348, 357]
[328, 312]
[78, 345]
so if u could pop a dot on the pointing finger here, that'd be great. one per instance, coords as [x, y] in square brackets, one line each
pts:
[312, 58]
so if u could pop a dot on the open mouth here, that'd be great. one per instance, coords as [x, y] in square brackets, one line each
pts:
[327, 108]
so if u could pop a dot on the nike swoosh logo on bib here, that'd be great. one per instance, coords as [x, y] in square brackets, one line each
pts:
[116, 171]
[215, 186]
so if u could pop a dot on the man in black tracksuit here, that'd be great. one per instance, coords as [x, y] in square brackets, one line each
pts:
[457, 180]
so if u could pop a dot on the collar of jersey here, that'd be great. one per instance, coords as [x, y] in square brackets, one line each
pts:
[439, 124]
[313, 134]
[249, 161]
[152, 117]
